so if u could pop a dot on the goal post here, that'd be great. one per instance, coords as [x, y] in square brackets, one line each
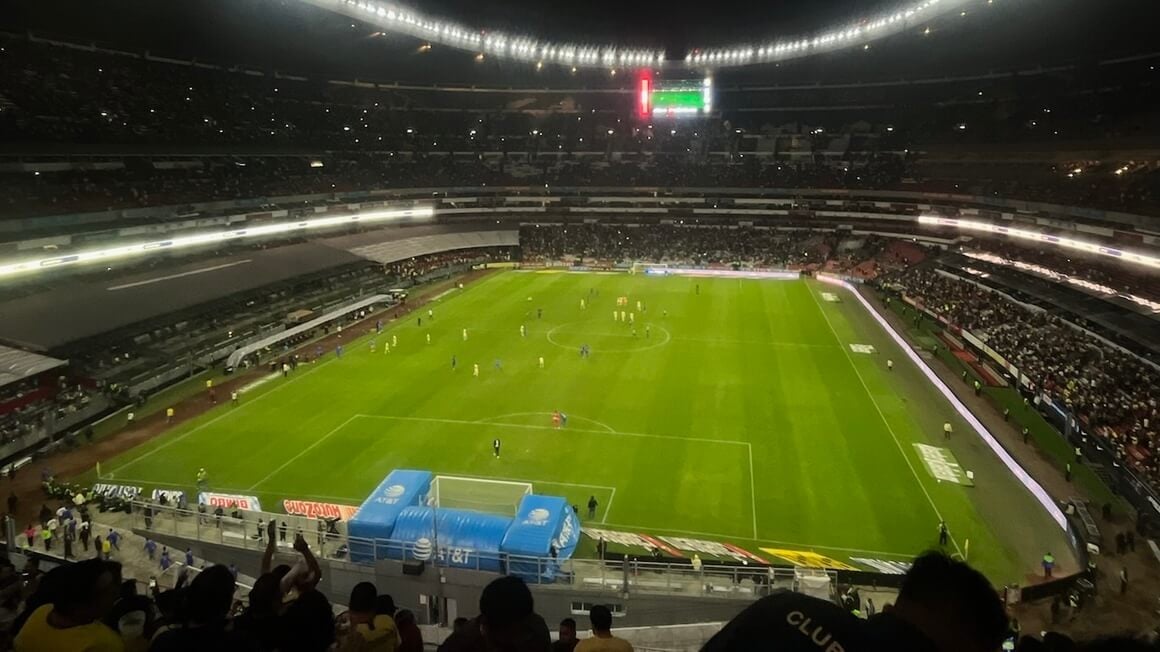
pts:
[644, 267]
[478, 494]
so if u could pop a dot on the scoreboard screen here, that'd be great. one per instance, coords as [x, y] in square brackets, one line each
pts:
[674, 98]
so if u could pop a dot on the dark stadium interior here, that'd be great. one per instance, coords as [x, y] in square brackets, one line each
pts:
[905, 167]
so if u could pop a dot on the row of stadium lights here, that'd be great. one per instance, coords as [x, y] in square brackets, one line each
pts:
[511, 47]
[830, 40]
[525, 48]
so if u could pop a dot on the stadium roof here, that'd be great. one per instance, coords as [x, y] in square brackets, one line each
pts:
[16, 365]
[80, 310]
[293, 36]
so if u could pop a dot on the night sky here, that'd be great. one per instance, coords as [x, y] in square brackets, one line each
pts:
[289, 35]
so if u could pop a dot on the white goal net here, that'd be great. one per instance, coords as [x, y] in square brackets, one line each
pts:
[479, 494]
[641, 268]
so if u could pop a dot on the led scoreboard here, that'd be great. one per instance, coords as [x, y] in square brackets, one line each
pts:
[673, 98]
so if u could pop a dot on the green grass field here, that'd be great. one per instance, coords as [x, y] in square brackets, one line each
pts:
[744, 416]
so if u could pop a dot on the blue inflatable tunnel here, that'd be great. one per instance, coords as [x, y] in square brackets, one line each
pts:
[377, 517]
[465, 539]
[542, 524]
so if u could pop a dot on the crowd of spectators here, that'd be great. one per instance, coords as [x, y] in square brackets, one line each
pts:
[89, 605]
[57, 95]
[415, 268]
[707, 245]
[1115, 393]
[31, 406]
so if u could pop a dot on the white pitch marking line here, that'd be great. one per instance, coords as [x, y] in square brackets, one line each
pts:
[230, 412]
[618, 433]
[608, 507]
[882, 416]
[496, 420]
[668, 338]
[529, 481]
[752, 490]
[302, 452]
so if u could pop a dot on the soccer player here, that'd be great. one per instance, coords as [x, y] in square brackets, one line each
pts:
[495, 444]
[638, 305]
[632, 317]
[947, 430]
[465, 335]
[234, 397]
[556, 420]
[475, 370]
[523, 331]
[454, 363]
[943, 533]
[613, 315]
[539, 313]
[563, 420]
[419, 321]
[337, 352]
[592, 504]
[623, 316]
[395, 340]
[498, 364]
[386, 347]
[430, 314]
[890, 365]
[541, 362]
[583, 305]
[647, 331]
[428, 338]
[202, 478]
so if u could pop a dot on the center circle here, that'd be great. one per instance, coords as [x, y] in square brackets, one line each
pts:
[602, 338]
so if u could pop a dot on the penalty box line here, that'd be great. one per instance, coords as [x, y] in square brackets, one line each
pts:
[524, 426]
[748, 446]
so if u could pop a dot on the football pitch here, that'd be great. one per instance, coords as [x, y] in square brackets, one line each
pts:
[755, 412]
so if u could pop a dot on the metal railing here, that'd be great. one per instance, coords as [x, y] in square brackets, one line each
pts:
[600, 575]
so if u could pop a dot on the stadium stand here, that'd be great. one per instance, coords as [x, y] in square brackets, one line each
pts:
[100, 142]
[1111, 391]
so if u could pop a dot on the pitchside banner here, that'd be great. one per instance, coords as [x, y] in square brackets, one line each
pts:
[318, 510]
[117, 491]
[227, 501]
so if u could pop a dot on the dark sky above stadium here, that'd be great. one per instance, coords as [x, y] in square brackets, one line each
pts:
[672, 22]
[289, 35]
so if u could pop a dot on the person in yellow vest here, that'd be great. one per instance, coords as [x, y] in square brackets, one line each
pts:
[106, 549]
[168, 415]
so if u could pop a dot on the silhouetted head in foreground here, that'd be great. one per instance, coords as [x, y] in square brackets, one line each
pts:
[944, 606]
